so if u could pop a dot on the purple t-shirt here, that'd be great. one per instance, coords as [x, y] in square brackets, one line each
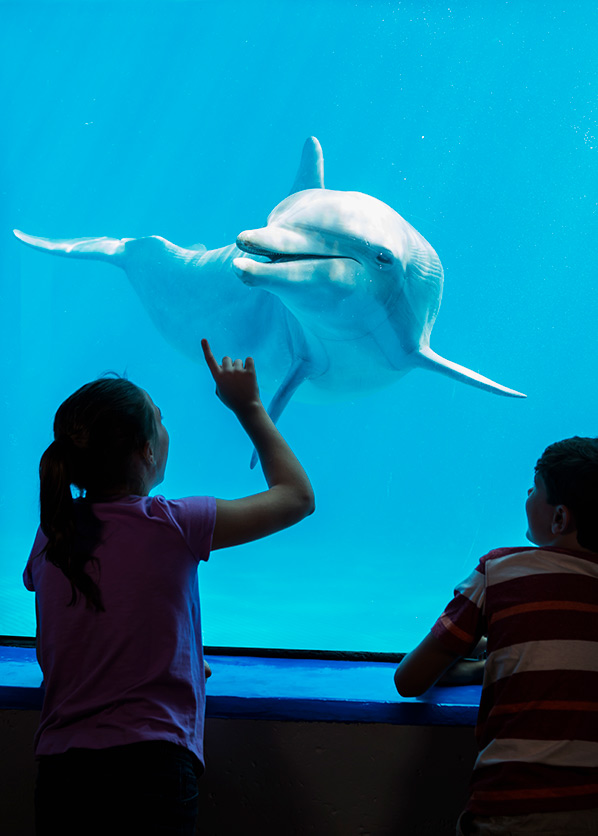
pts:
[134, 672]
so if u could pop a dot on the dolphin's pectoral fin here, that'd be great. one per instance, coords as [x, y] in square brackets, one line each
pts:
[297, 374]
[428, 359]
[102, 249]
[310, 174]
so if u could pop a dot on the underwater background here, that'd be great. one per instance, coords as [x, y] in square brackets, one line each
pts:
[476, 121]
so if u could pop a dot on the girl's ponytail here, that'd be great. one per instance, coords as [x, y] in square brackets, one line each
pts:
[68, 527]
[56, 500]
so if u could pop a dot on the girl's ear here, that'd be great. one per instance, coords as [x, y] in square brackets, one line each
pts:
[148, 453]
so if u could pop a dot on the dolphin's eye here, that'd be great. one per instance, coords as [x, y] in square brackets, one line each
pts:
[384, 258]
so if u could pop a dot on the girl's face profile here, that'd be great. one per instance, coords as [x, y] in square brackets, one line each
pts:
[160, 445]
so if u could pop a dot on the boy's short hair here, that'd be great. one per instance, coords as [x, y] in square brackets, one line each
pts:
[569, 469]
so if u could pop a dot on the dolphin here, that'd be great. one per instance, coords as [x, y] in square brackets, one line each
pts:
[337, 294]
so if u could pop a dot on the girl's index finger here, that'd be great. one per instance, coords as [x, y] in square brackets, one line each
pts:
[210, 359]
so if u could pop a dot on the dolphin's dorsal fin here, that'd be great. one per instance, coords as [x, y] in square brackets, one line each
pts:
[428, 359]
[310, 174]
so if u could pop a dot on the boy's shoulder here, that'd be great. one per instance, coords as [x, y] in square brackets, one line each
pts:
[495, 554]
[534, 559]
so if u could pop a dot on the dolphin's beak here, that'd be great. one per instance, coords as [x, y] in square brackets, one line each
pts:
[273, 242]
[246, 244]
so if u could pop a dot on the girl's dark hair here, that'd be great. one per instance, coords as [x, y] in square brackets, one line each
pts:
[97, 431]
[569, 469]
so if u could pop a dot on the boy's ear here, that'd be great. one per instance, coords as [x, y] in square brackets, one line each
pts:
[562, 520]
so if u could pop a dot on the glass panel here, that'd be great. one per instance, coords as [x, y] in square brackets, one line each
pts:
[187, 120]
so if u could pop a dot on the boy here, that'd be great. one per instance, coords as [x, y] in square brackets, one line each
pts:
[537, 731]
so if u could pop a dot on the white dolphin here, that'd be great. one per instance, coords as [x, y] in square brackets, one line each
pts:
[337, 294]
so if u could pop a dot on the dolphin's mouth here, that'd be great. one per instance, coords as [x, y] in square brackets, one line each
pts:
[277, 257]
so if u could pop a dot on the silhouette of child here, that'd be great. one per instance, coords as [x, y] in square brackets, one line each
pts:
[537, 732]
[120, 741]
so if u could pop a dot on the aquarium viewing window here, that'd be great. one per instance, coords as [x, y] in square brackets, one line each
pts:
[475, 122]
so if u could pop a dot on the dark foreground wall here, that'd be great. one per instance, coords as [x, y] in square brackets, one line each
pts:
[277, 778]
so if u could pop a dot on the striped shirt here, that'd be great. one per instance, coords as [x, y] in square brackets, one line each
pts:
[537, 728]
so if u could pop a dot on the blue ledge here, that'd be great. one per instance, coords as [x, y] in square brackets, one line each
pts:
[284, 689]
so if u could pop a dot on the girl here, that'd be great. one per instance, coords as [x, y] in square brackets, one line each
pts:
[120, 741]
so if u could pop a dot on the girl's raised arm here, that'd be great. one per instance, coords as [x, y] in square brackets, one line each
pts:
[289, 497]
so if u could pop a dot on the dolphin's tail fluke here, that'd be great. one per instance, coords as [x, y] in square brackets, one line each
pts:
[428, 359]
[98, 249]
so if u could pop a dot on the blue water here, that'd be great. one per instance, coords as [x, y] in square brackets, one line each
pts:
[476, 121]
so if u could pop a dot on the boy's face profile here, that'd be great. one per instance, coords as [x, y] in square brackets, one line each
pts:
[540, 514]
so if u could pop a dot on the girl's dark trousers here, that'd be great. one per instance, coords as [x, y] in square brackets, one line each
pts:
[142, 789]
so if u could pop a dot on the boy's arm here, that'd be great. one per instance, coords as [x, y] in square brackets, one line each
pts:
[423, 667]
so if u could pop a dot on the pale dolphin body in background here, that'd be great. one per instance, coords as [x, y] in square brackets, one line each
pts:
[337, 294]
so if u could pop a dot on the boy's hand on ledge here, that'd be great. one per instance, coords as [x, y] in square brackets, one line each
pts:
[207, 669]
[467, 671]
[463, 672]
